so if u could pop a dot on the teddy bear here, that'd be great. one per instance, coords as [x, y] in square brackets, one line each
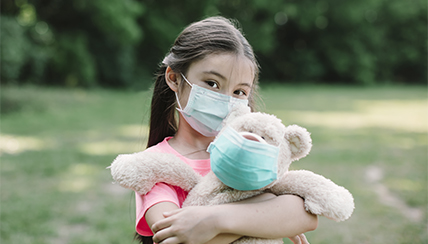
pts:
[141, 171]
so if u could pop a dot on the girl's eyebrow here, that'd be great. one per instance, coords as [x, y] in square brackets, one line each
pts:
[212, 72]
[245, 84]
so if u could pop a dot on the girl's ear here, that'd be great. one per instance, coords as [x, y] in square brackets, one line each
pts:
[171, 79]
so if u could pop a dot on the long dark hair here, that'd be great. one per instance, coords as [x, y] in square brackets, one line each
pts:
[209, 36]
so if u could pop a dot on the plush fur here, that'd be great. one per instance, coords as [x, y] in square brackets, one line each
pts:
[140, 171]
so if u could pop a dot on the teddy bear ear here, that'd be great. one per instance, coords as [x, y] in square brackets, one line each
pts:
[237, 111]
[299, 140]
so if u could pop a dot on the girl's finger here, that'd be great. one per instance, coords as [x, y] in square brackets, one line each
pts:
[295, 239]
[160, 225]
[303, 239]
[162, 235]
[172, 240]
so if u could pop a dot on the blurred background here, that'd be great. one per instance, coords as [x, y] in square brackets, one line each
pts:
[119, 43]
[76, 79]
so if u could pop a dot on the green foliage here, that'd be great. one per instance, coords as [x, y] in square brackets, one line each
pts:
[115, 19]
[120, 43]
[14, 48]
[100, 47]
[364, 42]
[73, 62]
[73, 43]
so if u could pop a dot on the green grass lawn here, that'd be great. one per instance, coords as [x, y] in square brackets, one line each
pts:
[55, 146]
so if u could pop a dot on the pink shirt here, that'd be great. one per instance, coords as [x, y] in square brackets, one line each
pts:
[162, 192]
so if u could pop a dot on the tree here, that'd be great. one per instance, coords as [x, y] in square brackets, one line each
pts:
[119, 43]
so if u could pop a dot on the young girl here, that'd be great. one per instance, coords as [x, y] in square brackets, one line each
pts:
[210, 67]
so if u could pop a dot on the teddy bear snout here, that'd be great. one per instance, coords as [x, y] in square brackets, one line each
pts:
[253, 137]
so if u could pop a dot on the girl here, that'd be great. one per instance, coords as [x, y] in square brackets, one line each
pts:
[210, 63]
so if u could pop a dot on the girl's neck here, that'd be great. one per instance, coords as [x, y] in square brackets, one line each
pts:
[190, 143]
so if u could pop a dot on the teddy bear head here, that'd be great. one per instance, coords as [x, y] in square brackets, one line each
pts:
[294, 142]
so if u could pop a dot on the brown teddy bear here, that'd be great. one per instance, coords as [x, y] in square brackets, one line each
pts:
[141, 171]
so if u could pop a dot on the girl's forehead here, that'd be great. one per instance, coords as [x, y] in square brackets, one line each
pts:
[227, 66]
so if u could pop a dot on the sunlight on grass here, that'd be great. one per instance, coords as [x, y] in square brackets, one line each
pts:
[75, 185]
[405, 185]
[409, 115]
[12, 144]
[78, 178]
[131, 139]
[132, 143]
[402, 141]
[136, 131]
[109, 147]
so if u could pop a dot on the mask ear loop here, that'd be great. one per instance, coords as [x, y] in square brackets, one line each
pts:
[176, 96]
[178, 101]
[186, 80]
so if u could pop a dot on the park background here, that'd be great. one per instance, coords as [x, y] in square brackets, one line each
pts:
[76, 78]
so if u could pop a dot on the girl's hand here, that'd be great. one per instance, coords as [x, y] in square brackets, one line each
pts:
[187, 225]
[299, 239]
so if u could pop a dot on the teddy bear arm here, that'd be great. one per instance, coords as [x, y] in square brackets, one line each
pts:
[211, 191]
[205, 192]
[141, 171]
[321, 195]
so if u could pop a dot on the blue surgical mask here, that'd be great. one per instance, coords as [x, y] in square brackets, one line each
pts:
[241, 163]
[206, 109]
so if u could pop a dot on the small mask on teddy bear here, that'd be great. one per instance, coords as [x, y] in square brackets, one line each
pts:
[242, 163]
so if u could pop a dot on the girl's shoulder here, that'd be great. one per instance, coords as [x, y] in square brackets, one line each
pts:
[201, 166]
[161, 147]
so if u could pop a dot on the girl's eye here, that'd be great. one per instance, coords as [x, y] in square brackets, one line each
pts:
[240, 93]
[212, 84]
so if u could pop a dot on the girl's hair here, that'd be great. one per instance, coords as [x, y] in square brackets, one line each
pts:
[212, 35]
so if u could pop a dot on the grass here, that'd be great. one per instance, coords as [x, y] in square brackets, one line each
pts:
[55, 145]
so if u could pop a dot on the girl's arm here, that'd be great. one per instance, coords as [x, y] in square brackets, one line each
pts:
[277, 217]
[155, 213]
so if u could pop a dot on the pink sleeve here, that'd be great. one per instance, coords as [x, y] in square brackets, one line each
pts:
[161, 192]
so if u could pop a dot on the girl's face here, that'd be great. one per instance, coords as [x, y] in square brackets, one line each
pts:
[225, 73]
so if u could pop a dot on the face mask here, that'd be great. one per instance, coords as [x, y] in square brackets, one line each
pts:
[241, 163]
[206, 109]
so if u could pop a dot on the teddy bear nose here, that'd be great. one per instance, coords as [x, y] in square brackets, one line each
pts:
[252, 137]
